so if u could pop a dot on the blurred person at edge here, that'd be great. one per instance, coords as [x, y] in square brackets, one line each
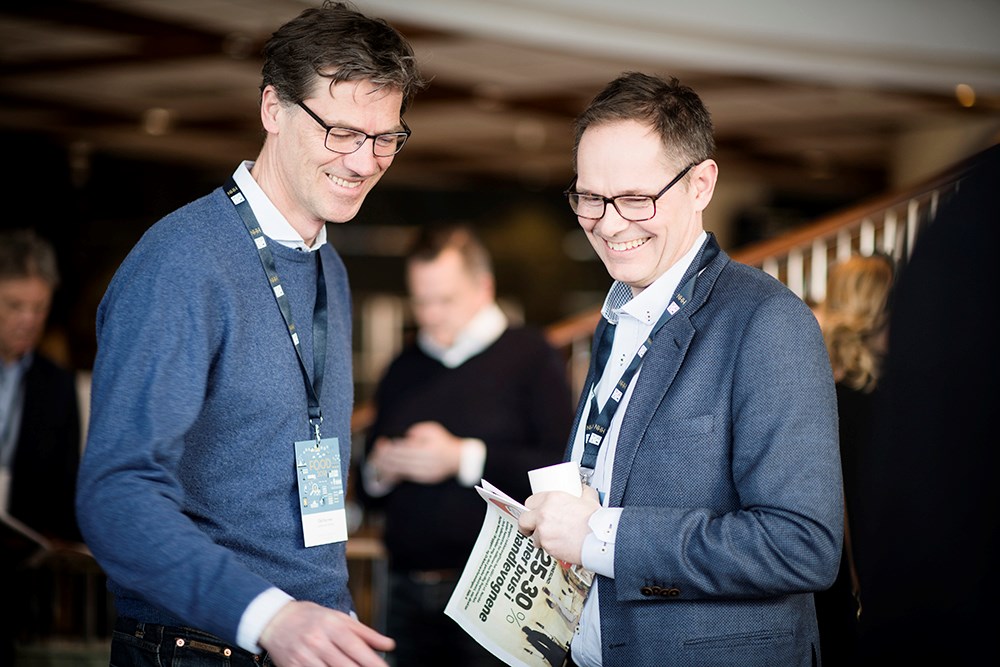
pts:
[928, 534]
[473, 397]
[39, 429]
[708, 436]
[224, 365]
[854, 317]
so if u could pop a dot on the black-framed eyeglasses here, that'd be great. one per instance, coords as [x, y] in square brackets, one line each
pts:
[635, 208]
[345, 141]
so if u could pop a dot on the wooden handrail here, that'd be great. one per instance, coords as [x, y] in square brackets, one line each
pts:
[561, 334]
[756, 253]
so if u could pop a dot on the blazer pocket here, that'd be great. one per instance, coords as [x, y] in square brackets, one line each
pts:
[686, 427]
[743, 639]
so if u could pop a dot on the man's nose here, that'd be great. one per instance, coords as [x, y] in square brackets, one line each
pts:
[610, 223]
[363, 161]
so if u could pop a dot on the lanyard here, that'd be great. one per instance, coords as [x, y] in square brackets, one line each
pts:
[314, 386]
[599, 421]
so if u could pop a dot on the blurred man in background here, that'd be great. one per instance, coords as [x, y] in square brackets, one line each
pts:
[473, 398]
[39, 427]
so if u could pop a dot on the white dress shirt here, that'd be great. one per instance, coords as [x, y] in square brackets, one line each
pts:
[11, 408]
[272, 223]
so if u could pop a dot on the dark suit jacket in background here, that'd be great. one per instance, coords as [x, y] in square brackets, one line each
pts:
[43, 473]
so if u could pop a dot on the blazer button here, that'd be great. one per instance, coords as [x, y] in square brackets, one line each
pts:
[671, 592]
[646, 590]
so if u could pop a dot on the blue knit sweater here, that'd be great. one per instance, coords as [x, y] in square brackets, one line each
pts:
[187, 490]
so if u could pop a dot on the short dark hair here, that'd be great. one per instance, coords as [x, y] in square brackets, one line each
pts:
[432, 240]
[339, 43]
[24, 254]
[673, 110]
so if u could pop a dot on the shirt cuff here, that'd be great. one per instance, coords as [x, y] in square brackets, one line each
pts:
[257, 615]
[598, 553]
[472, 463]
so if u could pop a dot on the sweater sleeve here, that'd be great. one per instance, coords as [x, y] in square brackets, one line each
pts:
[157, 340]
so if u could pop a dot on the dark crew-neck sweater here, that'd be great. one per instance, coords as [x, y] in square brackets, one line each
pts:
[513, 396]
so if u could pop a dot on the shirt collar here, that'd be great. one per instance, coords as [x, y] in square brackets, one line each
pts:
[648, 305]
[18, 367]
[274, 225]
[482, 331]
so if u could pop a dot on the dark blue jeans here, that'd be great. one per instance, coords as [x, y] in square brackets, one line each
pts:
[135, 644]
[424, 636]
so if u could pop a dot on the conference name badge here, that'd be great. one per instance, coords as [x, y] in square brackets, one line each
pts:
[321, 491]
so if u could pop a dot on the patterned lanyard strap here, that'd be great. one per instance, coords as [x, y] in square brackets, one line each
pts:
[313, 386]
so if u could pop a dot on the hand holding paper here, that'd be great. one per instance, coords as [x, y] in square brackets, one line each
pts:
[557, 518]
[519, 602]
[559, 477]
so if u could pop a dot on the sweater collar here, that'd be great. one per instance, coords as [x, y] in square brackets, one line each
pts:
[482, 331]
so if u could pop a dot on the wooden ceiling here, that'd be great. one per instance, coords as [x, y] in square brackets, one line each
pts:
[176, 81]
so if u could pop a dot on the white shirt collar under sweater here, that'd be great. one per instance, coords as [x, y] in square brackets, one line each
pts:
[274, 225]
[482, 331]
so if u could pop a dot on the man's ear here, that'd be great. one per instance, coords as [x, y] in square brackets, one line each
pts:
[271, 109]
[702, 184]
[487, 286]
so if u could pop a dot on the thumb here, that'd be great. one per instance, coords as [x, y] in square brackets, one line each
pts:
[526, 523]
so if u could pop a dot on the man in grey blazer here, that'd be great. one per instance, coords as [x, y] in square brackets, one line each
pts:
[707, 433]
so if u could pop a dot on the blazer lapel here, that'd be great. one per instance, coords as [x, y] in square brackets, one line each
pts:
[659, 368]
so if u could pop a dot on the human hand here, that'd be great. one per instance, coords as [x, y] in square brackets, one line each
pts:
[427, 454]
[305, 634]
[384, 460]
[558, 522]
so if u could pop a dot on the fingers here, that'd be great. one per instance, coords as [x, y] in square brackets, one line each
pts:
[535, 500]
[303, 634]
[423, 432]
[358, 643]
[527, 523]
[428, 454]
[373, 637]
[558, 522]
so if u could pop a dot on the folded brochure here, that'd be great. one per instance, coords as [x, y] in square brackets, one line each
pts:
[516, 600]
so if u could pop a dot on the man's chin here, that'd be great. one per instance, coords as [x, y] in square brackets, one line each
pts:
[343, 214]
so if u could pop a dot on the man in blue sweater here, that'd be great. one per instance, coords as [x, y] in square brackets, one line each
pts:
[211, 489]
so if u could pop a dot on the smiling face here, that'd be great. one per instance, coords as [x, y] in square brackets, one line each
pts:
[627, 157]
[309, 184]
